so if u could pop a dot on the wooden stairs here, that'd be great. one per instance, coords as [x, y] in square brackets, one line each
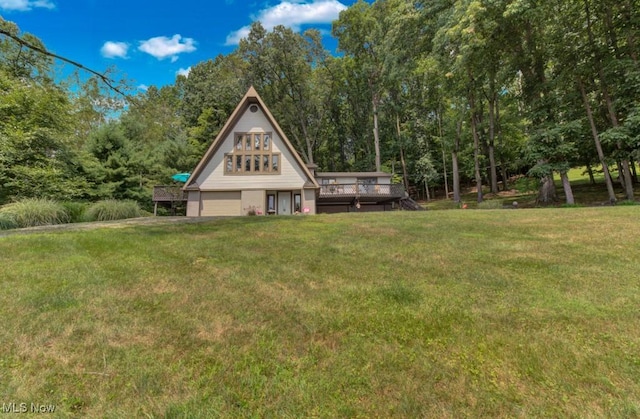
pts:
[409, 204]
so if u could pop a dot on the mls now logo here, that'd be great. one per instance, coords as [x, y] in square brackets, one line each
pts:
[24, 408]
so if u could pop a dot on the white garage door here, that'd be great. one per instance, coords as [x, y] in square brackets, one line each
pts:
[220, 203]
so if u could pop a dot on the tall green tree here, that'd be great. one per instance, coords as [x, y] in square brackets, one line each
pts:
[360, 33]
[280, 64]
[36, 159]
[208, 95]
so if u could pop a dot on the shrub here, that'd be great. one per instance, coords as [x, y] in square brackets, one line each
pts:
[112, 209]
[33, 212]
[628, 202]
[490, 204]
[7, 222]
[526, 184]
[75, 210]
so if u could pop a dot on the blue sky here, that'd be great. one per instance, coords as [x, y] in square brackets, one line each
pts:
[150, 41]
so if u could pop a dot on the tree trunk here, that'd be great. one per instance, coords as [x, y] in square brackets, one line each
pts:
[454, 164]
[376, 135]
[626, 174]
[505, 177]
[405, 175]
[547, 192]
[308, 143]
[634, 173]
[476, 139]
[444, 172]
[566, 185]
[444, 157]
[592, 179]
[492, 137]
[476, 153]
[503, 166]
[492, 168]
[596, 139]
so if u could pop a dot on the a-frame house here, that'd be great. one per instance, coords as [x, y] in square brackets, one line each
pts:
[251, 168]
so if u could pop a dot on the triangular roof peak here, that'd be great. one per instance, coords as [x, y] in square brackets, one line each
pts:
[251, 96]
[252, 92]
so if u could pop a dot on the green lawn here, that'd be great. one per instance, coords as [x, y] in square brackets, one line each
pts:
[514, 313]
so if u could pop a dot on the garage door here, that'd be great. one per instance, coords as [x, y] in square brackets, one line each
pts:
[220, 203]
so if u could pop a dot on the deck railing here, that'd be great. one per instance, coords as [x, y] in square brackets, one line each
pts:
[362, 190]
[167, 193]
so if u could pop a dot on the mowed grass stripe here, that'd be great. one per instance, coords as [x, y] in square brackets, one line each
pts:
[448, 314]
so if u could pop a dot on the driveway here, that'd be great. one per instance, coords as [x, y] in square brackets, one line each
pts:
[108, 224]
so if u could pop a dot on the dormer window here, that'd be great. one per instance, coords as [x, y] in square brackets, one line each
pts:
[252, 155]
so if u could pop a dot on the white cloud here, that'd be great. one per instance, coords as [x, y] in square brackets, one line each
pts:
[292, 14]
[143, 87]
[184, 72]
[162, 47]
[25, 5]
[112, 49]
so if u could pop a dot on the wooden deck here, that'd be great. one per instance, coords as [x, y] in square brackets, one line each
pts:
[362, 192]
[166, 193]
[168, 196]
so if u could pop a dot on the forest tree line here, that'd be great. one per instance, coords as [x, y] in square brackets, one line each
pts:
[442, 93]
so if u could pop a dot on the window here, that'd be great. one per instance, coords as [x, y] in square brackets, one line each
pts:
[297, 203]
[252, 154]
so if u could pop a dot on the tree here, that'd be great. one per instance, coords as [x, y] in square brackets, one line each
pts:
[109, 164]
[360, 34]
[208, 95]
[280, 64]
[35, 156]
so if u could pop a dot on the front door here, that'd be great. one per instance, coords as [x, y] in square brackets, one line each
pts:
[284, 203]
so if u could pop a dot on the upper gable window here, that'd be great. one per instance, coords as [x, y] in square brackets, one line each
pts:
[252, 155]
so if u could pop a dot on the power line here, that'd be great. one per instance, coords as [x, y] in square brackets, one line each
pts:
[36, 48]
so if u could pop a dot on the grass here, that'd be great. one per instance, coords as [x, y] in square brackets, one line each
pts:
[111, 209]
[31, 212]
[527, 313]
[75, 210]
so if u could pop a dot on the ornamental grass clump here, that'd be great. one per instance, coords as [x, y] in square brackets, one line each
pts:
[112, 209]
[7, 222]
[32, 212]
